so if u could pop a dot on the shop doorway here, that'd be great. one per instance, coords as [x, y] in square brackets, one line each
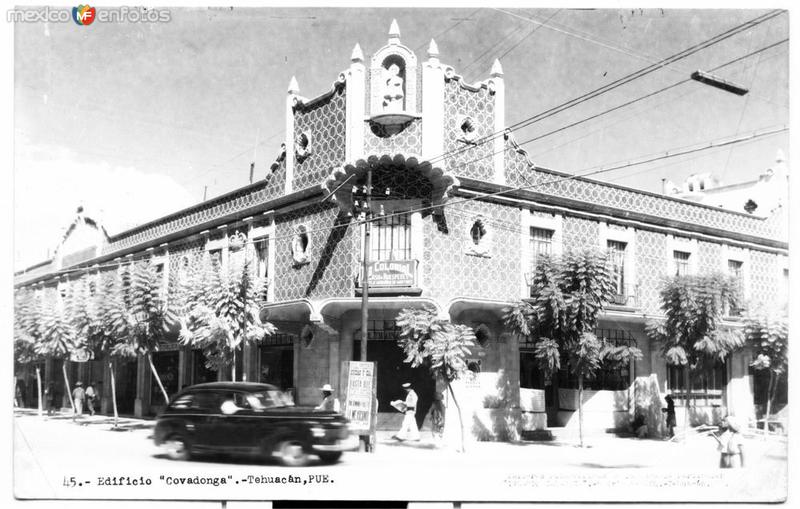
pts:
[382, 348]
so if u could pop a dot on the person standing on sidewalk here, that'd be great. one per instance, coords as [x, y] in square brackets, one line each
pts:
[329, 402]
[409, 429]
[91, 395]
[78, 395]
[50, 398]
[670, 411]
[731, 444]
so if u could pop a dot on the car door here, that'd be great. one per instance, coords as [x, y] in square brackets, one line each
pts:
[208, 427]
[238, 424]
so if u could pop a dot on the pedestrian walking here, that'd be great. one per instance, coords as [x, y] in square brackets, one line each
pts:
[91, 398]
[50, 398]
[670, 413]
[18, 393]
[78, 396]
[329, 402]
[730, 444]
[409, 429]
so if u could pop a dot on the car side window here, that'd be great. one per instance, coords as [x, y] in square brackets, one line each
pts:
[240, 399]
[183, 402]
[208, 401]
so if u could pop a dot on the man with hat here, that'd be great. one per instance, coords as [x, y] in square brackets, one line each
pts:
[409, 430]
[329, 403]
[78, 396]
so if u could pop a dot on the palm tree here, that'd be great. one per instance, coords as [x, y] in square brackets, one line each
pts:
[768, 336]
[691, 334]
[567, 296]
[149, 317]
[438, 344]
[57, 338]
[25, 337]
[219, 312]
[109, 337]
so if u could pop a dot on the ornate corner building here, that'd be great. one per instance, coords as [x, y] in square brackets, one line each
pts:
[460, 216]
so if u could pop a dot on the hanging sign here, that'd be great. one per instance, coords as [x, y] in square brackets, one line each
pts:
[392, 273]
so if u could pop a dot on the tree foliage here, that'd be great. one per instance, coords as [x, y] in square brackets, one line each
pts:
[218, 311]
[567, 296]
[691, 334]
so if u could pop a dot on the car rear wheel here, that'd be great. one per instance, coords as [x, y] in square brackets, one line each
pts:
[292, 453]
[177, 448]
[330, 457]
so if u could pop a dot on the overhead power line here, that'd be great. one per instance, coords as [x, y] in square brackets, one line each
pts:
[620, 81]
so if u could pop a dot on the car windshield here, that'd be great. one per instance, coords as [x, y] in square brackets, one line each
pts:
[268, 399]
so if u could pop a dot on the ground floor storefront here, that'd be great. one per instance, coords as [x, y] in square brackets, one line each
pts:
[503, 395]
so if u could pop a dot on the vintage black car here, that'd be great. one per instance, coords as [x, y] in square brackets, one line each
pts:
[253, 419]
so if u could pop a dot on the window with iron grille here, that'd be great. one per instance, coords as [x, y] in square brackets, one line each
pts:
[681, 259]
[380, 330]
[541, 243]
[616, 253]
[735, 270]
[390, 238]
[706, 385]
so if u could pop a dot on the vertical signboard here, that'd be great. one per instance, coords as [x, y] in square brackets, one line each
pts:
[360, 392]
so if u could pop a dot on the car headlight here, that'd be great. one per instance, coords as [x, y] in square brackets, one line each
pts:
[317, 432]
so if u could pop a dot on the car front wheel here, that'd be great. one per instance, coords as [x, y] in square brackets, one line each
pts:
[177, 448]
[330, 458]
[292, 453]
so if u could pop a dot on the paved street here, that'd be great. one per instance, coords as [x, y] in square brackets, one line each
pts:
[50, 452]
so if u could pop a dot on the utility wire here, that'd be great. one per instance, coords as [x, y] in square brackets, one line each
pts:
[617, 83]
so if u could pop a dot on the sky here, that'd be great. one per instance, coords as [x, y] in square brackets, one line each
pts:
[137, 120]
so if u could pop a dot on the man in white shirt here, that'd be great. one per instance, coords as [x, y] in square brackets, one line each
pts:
[409, 430]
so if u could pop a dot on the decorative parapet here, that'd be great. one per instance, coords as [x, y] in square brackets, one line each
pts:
[524, 174]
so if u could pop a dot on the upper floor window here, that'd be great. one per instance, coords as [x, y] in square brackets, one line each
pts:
[216, 257]
[390, 238]
[735, 270]
[541, 243]
[616, 253]
[262, 257]
[681, 259]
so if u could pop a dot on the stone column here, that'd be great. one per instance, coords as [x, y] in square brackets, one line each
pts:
[354, 106]
[433, 105]
[143, 376]
[497, 84]
[294, 90]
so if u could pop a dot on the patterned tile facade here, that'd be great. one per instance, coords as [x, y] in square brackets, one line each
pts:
[213, 209]
[407, 142]
[520, 174]
[332, 251]
[580, 233]
[650, 268]
[764, 283]
[709, 257]
[473, 161]
[449, 272]
[325, 121]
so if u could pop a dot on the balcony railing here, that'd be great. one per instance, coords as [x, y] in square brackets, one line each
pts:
[628, 298]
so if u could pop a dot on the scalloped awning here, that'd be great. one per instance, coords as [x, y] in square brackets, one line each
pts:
[442, 183]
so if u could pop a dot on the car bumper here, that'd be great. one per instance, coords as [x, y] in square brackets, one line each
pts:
[347, 444]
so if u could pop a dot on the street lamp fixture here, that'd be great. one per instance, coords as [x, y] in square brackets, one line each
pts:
[717, 82]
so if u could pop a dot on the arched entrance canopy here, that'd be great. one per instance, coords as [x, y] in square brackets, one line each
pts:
[413, 177]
